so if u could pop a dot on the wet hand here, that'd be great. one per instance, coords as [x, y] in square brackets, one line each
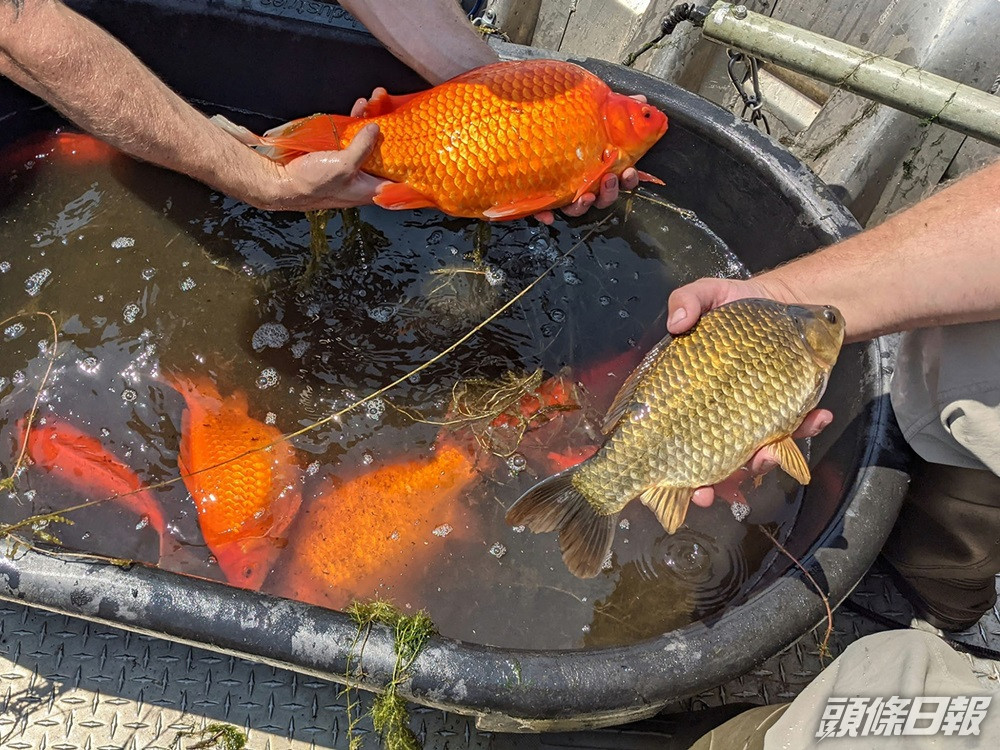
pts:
[686, 305]
[607, 193]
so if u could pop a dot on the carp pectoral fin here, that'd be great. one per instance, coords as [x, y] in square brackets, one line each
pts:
[647, 177]
[585, 535]
[398, 195]
[790, 459]
[522, 207]
[382, 103]
[595, 174]
[669, 504]
[624, 398]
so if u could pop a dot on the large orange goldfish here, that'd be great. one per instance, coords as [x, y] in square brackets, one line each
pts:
[374, 526]
[498, 142]
[244, 505]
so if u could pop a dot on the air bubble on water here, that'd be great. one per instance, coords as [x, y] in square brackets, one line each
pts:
[571, 278]
[4, 266]
[122, 242]
[367, 458]
[34, 283]
[585, 628]
[268, 377]
[623, 313]
[185, 263]
[148, 273]
[443, 530]
[519, 529]
[623, 524]
[129, 395]
[557, 315]
[740, 511]
[188, 284]
[498, 550]
[604, 300]
[14, 330]
[29, 495]
[89, 365]
[516, 463]
[143, 523]
[452, 249]
[435, 237]
[374, 409]
[312, 468]
[299, 348]
[495, 275]
[19, 378]
[105, 432]
[269, 336]
[270, 418]
[414, 378]
[381, 314]
[130, 313]
[606, 565]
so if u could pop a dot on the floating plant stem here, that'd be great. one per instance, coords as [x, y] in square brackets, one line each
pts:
[824, 646]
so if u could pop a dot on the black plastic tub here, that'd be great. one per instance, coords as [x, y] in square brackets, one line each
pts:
[247, 56]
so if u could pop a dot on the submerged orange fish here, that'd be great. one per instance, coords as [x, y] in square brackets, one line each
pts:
[498, 142]
[376, 525]
[81, 461]
[245, 505]
[64, 146]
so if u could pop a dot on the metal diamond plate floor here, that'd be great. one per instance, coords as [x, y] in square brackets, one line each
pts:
[66, 684]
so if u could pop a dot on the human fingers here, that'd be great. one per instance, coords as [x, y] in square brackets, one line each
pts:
[580, 206]
[691, 301]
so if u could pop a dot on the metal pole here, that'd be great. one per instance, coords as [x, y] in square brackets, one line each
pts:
[904, 87]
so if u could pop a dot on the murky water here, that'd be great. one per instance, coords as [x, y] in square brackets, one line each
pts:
[146, 271]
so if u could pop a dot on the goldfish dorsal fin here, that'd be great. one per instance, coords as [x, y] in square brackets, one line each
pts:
[790, 459]
[398, 195]
[521, 207]
[669, 504]
[608, 159]
[382, 103]
[626, 393]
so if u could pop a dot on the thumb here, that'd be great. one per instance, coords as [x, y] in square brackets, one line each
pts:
[689, 302]
[361, 146]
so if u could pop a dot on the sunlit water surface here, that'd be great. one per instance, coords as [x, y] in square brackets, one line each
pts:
[146, 271]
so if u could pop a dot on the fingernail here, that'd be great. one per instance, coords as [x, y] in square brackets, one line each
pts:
[610, 182]
[677, 318]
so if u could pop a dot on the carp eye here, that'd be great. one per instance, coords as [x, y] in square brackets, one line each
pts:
[646, 113]
[830, 316]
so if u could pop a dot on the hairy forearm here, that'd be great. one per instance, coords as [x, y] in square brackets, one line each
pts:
[98, 84]
[938, 263]
[431, 36]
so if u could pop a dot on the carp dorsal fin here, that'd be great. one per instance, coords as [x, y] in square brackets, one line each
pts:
[627, 391]
[669, 504]
[790, 459]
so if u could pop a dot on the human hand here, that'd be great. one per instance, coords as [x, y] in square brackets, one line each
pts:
[686, 305]
[607, 193]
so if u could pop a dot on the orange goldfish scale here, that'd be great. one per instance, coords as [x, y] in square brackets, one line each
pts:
[538, 130]
[367, 526]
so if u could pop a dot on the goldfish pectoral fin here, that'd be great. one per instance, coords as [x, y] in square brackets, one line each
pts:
[397, 196]
[790, 459]
[669, 505]
[593, 176]
[624, 399]
[383, 103]
[522, 207]
[647, 177]
[584, 534]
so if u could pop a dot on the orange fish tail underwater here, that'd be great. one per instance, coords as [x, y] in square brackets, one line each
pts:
[498, 142]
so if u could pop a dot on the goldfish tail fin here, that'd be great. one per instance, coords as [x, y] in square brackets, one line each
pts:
[584, 534]
[647, 177]
[303, 136]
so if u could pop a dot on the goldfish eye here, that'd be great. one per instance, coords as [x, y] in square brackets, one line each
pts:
[830, 316]
[646, 112]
